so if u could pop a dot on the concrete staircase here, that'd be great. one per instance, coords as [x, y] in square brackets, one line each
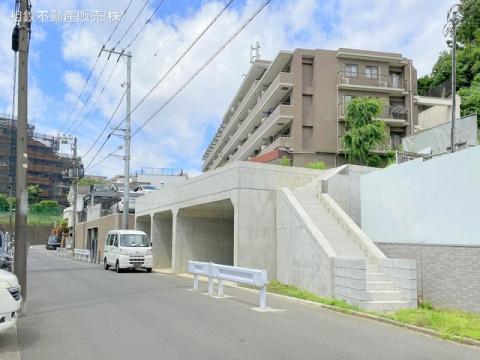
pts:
[381, 294]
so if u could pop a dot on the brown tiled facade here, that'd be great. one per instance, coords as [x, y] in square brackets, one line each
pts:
[296, 103]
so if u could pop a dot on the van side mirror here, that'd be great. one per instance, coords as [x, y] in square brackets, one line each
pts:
[151, 244]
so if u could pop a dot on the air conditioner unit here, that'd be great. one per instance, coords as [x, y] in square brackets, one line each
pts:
[383, 84]
[345, 80]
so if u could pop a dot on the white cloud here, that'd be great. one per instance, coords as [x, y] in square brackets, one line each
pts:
[177, 136]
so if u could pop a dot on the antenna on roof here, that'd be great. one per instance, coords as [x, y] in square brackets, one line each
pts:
[254, 53]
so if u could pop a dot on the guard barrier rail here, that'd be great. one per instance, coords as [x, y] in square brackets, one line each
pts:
[81, 254]
[246, 276]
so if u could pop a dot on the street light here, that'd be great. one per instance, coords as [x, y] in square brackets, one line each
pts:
[454, 17]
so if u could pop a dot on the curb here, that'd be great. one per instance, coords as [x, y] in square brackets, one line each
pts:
[418, 329]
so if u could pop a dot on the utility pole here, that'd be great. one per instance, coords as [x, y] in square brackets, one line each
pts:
[127, 137]
[453, 19]
[20, 43]
[75, 193]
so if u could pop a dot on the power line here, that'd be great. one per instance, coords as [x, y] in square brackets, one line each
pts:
[181, 57]
[88, 98]
[145, 25]
[118, 23]
[132, 23]
[234, 35]
[106, 125]
[94, 67]
[97, 99]
[81, 92]
[104, 159]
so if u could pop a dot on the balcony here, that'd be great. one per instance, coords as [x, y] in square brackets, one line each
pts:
[248, 103]
[282, 141]
[270, 126]
[391, 115]
[379, 83]
[268, 101]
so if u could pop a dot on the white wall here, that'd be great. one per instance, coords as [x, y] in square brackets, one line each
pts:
[434, 201]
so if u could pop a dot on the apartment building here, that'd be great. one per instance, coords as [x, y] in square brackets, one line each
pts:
[294, 106]
[46, 165]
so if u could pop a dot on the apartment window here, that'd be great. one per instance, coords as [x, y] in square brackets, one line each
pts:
[347, 98]
[371, 72]
[351, 70]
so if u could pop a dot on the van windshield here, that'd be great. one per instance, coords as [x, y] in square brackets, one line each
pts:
[133, 240]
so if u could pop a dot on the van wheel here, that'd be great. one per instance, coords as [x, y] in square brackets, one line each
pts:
[105, 265]
[117, 267]
[149, 270]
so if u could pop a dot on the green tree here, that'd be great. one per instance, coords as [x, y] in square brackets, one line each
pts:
[286, 161]
[363, 132]
[34, 192]
[46, 207]
[468, 61]
[86, 181]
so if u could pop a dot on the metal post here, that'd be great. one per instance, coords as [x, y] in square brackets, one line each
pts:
[195, 282]
[75, 194]
[263, 297]
[210, 279]
[20, 264]
[220, 287]
[454, 83]
[126, 191]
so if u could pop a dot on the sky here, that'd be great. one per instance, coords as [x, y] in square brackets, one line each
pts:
[64, 48]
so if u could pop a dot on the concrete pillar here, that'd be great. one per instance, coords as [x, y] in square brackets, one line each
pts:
[162, 237]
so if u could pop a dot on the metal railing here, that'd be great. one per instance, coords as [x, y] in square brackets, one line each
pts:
[252, 277]
[363, 79]
[387, 112]
[81, 254]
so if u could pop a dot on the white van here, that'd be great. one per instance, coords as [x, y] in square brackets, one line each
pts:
[10, 299]
[127, 249]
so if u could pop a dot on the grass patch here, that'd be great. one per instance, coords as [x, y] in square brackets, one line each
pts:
[292, 291]
[33, 219]
[448, 323]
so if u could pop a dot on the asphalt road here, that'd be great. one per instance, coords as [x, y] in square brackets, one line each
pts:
[79, 311]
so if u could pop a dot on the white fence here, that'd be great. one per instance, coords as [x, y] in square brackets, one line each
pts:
[61, 252]
[81, 254]
[252, 277]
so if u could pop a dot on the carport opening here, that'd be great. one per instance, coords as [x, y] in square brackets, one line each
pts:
[162, 237]
[205, 233]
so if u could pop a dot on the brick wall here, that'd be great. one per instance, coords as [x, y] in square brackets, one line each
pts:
[447, 276]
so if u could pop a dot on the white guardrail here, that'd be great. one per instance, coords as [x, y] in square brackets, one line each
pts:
[81, 254]
[252, 277]
[62, 252]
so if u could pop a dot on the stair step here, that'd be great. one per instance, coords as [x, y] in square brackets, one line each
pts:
[375, 277]
[373, 268]
[387, 305]
[380, 286]
[384, 295]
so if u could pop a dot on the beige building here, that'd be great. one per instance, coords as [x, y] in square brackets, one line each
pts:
[294, 106]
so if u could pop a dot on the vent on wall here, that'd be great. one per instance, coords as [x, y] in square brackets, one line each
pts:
[284, 88]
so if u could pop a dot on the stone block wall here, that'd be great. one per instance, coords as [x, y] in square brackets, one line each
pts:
[447, 276]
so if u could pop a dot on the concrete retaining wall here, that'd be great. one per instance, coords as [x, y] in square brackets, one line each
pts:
[447, 276]
[433, 201]
[304, 259]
